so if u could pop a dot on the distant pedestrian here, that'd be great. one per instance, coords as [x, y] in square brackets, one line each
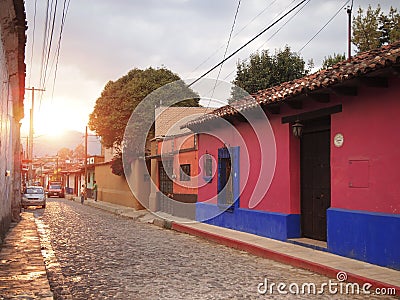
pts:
[95, 190]
[83, 193]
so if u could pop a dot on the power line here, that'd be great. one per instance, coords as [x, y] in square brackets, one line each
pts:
[51, 19]
[284, 24]
[235, 35]
[44, 43]
[226, 50]
[33, 44]
[64, 16]
[235, 52]
[279, 29]
[247, 43]
[326, 24]
[50, 42]
[216, 82]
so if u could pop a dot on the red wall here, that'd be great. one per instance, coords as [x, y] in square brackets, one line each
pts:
[279, 194]
[370, 124]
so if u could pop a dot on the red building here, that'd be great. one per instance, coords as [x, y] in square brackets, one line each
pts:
[332, 146]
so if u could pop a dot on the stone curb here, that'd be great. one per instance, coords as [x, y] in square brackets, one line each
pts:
[143, 216]
[57, 281]
[280, 257]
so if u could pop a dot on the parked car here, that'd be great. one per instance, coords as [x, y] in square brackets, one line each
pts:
[55, 189]
[33, 196]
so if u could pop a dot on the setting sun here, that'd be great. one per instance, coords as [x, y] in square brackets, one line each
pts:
[54, 119]
[49, 124]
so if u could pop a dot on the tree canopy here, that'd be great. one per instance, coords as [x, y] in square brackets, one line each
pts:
[373, 29]
[65, 153]
[119, 99]
[79, 152]
[264, 70]
[332, 60]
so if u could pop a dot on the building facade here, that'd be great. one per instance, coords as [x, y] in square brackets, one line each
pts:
[174, 161]
[113, 188]
[12, 88]
[336, 161]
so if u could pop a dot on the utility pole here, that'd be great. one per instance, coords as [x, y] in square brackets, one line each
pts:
[57, 168]
[349, 9]
[26, 149]
[30, 172]
[86, 152]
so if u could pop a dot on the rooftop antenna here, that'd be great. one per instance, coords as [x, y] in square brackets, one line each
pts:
[349, 10]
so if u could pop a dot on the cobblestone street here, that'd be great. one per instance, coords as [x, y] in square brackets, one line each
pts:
[104, 256]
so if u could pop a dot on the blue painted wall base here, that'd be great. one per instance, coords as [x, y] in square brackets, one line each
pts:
[268, 224]
[366, 236]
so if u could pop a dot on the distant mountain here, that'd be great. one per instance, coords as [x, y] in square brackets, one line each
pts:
[49, 145]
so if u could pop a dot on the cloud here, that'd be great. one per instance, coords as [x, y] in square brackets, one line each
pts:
[105, 39]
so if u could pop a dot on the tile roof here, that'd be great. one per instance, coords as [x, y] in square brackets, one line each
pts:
[170, 119]
[359, 65]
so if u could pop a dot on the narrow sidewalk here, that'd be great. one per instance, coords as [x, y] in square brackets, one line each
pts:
[318, 261]
[22, 270]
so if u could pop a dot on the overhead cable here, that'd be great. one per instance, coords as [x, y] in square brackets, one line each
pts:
[247, 43]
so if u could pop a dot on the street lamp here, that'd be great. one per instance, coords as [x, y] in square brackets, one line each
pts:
[297, 128]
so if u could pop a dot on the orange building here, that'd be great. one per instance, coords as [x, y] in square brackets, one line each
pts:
[174, 161]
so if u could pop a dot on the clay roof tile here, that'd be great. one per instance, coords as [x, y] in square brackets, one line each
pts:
[359, 65]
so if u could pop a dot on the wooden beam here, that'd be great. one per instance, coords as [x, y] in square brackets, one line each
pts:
[321, 97]
[313, 114]
[346, 90]
[236, 119]
[375, 81]
[273, 109]
[396, 70]
[295, 104]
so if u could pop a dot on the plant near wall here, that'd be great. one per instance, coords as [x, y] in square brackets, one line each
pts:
[117, 167]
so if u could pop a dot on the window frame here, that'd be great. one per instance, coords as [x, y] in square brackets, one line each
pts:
[184, 175]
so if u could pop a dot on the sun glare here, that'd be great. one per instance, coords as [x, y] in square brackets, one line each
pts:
[53, 121]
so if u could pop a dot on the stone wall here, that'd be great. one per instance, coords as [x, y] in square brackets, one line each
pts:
[12, 88]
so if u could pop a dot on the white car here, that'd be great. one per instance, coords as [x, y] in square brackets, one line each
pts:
[33, 196]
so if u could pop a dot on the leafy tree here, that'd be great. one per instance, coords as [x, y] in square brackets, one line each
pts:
[119, 99]
[390, 26]
[79, 152]
[332, 60]
[64, 153]
[117, 166]
[373, 29]
[264, 70]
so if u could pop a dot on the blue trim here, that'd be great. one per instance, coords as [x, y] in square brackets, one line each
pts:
[311, 246]
[268, 224]
[207, 179]
[225, 153]
[366, 236]
[236, 175]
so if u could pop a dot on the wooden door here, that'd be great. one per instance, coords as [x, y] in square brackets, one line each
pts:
[166, 184]
[315, 179]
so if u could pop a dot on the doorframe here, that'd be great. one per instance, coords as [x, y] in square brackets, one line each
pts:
[314, 128]
[224, 153]
[161, 165]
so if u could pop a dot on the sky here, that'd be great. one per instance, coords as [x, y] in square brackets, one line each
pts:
[102, 40]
